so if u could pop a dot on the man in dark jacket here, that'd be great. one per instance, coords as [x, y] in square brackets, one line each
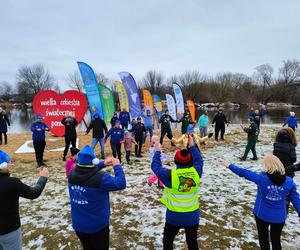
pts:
[252, 132]
[139, 129]
[257, 115]
[186, 121]
[4, 122]
[220, 120]
[124, 118]
[99, 128]
[89, 189]
[165, 121]
[113, 119]
[70, 124]
[11, 188]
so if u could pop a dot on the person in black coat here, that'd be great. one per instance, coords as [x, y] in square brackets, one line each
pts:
[4, 122]
[11, 188]
[99, 131]
[139, 129]
[220, 120]
[113, 119]
[284, 148]
[165, 121]
[70, 124]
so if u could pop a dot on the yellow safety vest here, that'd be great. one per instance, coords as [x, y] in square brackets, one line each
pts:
[183, 196]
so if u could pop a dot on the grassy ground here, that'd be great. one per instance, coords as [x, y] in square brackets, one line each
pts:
[137, 218]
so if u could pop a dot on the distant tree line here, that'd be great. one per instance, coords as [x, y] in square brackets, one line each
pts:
[262, 86]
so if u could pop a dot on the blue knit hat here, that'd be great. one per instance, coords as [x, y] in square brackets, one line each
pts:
[117, 122]
[190, 129]
[86, 157]
[39, 117]
[4, 159]
[96, 114]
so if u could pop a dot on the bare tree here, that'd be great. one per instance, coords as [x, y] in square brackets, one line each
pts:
[264, 73]
[6, 90]
[75, 81]
[101, 78]
[153, 80]
[290, 71]
[35, 78]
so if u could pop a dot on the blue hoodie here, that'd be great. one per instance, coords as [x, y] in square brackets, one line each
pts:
[124, 118]
[89, 196]
[270, 204]
[164, 174]
[116, 135]
[38, 131]
[148, 119]
[291, 121]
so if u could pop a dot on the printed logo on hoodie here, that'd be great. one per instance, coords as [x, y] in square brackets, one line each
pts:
[273, 193]
[78, 195]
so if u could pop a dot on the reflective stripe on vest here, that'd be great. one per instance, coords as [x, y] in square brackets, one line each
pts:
[183, 196]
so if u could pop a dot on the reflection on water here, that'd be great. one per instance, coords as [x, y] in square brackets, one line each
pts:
[22, 119]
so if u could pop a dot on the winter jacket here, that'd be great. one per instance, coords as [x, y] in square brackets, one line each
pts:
[138, 130]
[116, 135]
[99, 127]
[89, 196]
[183, 140]
[291, 121]
[11, 188]
[70, 164]
[186, 121]
[113, 121]
[219, 119]
[4, 122]
[38, 131]
[285, 150]
[164, 174]
[252, 132]
[272, 190]
[128, 141]
[148, 119]
[124, 118]
[203, 121]
[70, 124]
[165, 122]
[257, 117]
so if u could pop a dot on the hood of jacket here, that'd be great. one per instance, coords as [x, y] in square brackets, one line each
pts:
[277, 178]
[283, 136]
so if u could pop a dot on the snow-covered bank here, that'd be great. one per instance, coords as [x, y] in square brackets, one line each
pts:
[137, 219]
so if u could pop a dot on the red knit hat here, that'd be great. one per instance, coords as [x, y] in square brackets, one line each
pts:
[182, 157]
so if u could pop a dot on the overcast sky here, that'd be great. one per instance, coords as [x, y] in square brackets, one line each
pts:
[169, 35]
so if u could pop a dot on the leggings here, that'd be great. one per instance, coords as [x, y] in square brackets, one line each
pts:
[69, 141]
[163, 133]
[116, 150]
[138, 148]
[171, 231]
[95, 241]
[263, 234]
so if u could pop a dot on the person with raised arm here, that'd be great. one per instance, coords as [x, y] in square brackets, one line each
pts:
[148, 120]
[89, 188]
[165, 121]
[273, 186]
[181, 193]
[11, 189]
[70, 124]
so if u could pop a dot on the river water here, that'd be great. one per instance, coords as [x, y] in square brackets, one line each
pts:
[22, 119]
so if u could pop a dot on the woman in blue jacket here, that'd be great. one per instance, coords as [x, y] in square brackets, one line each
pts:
[273, 186]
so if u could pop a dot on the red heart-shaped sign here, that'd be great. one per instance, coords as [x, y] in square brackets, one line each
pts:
[53, 107]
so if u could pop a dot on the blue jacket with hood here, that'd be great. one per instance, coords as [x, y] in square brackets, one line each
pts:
[164, 174]
[291, 121]
[272, 190]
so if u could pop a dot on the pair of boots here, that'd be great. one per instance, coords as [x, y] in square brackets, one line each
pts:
[244, 158]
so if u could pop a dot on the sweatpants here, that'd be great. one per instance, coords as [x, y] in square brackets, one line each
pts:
[5, 137]
[39, 147]
[95, 241]
[138, 147]
[116, 150]
[163, 133]
[11, 241]
[263, 234]
[68, 141]
[217, 131]
[171, 231]
[250, 146]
